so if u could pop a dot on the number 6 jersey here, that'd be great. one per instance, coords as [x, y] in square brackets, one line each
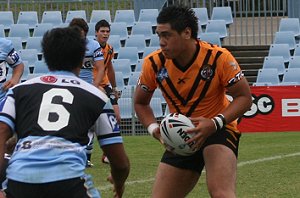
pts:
[51, 115]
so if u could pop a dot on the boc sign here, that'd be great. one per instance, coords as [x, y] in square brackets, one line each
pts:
[274, 108]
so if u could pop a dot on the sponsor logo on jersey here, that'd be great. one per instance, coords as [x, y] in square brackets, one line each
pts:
[236, 78]
[48, 79]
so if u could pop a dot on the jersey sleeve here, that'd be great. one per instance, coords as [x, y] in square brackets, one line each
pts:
[230, 70]
[147, 79]
[8, 111]
[98, 54]
[13, 58]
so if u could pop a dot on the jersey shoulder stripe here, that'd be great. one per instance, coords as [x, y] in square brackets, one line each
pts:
[66, 81]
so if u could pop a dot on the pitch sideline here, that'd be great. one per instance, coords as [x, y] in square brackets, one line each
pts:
[241, 164]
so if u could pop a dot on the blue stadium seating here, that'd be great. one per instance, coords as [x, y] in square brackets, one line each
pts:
[98, 15]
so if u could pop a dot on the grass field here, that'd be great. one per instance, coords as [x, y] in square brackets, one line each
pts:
[268, 167]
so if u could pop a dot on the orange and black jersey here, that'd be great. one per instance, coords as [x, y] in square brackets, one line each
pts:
[197, 89]
[108, 54]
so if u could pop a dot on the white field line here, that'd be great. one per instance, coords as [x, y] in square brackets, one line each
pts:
[106, 187]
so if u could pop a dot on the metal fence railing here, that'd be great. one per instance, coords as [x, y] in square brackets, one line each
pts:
[255, 21]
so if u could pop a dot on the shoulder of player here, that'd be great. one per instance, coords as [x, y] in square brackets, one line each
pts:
[214, 48]
[65, 80]
[153, 55]
[5, 45]
[92, 42]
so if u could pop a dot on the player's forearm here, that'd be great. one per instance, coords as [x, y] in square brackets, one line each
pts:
[237, 108]
[98, 78]
[5, 134]
[145, 114]
[18, 72]
[111, 76]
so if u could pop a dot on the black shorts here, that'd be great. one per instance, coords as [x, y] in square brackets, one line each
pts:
[70, 188]
[195, 162]
[110, 95]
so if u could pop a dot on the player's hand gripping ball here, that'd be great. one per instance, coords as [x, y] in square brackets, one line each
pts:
[173, 132]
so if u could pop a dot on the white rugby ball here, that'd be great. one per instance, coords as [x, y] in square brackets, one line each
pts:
[172, 130]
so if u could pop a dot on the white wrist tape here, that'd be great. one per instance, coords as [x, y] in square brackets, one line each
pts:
[151, 128]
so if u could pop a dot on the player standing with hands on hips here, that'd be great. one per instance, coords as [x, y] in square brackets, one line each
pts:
[194, 76]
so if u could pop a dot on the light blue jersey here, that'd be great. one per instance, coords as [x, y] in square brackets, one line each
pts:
[93, 53]
[8, 56]
[51, 135]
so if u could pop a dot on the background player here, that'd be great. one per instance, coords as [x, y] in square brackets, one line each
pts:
[108, 83]
[194, 77]
[93, 59]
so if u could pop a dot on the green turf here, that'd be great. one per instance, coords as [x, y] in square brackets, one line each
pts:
[268, 167]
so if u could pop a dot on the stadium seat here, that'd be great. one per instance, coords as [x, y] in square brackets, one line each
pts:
[75, 14]
[202, 15]
[119, 28]
[148, 15]
[122, 65]
[267, 77]
[34, 43]
[28, 17]
[17, 42]
[130, 53]
[291, 76]
[154, 41]
[222, 13]
[218, 26]
[41, 28]
[126, 107]
[19, 30]
[290, 24]
[276, 62]
[136, 40]
[158, 94]
[200, 31]
[91, 31]
[114, 41]
[149, 50]
[6, 19]
[53, 17]
[280, 50]
[119, 80]
[144, 28]
[40, 67]
[98, 15]
[128, 91]
[156, 105]
[126, 16]
[285, 38]
[212, 37]
[139, 65]
[297, 50]
[2, 31]
[30, 55]
[133, 78]
[294, 62]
